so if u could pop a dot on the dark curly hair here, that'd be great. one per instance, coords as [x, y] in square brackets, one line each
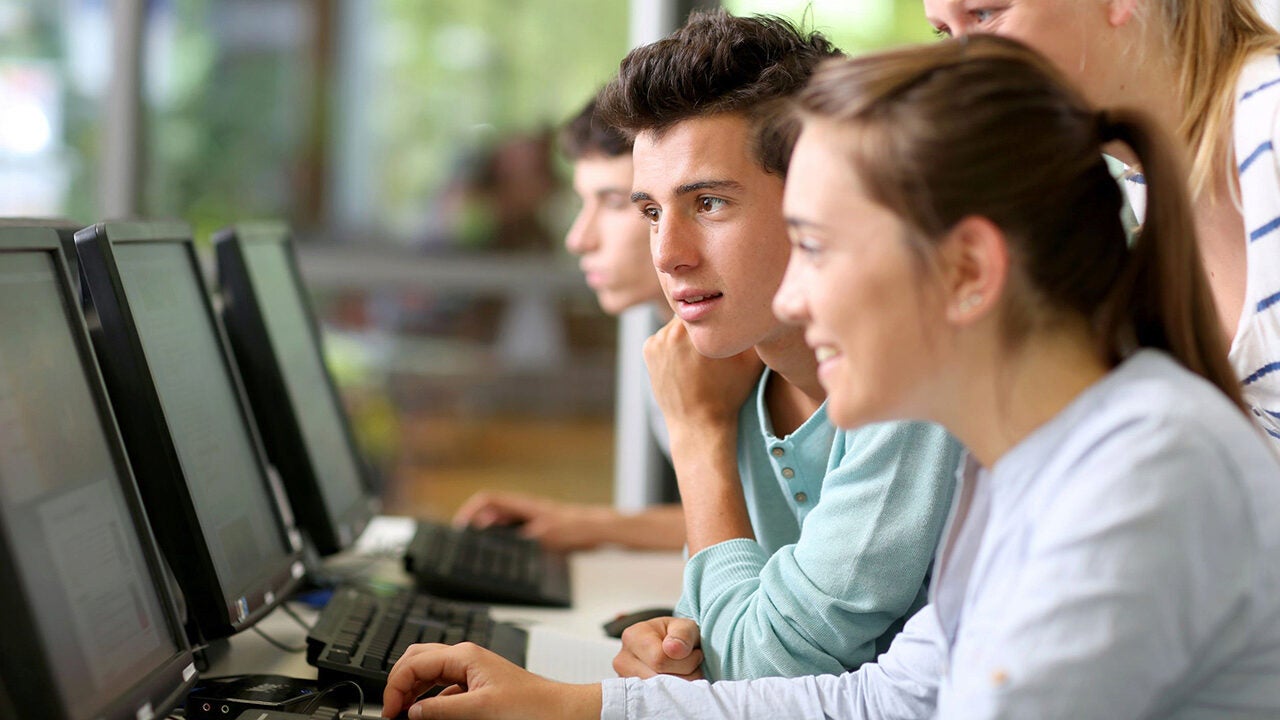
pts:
[586, 135]
[718, 63]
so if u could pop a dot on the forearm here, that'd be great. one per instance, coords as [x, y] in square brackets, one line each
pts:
[657, 528]
[706, 465]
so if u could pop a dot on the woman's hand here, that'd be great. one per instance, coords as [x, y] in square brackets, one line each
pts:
[480, 685]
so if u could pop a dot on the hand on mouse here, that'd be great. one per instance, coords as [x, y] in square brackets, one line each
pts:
[662, 646]
[479, 684]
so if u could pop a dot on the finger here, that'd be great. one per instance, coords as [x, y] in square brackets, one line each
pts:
[682, 638]
[644, 641]
[626, 664]
[689, 668]
[451, 690]
[454, 706]
[421, 667]
[474, 505]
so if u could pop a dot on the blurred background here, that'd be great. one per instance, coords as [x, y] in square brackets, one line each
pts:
[410, 145]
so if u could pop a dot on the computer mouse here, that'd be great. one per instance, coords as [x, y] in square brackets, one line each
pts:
[614, 627]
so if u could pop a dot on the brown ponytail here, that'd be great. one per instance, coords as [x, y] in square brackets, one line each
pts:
[1161, 299]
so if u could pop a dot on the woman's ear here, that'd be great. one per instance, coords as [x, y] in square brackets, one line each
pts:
[1120, 12]
[975, 268]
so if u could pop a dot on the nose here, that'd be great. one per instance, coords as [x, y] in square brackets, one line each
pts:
[790, 304]
[671, 246]
[582, 237]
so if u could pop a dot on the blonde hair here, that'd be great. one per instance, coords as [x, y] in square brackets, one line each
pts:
[1212, 40]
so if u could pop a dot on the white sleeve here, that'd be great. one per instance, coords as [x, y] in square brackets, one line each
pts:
[903, 685]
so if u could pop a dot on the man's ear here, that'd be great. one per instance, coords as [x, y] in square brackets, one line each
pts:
[975, 258]
[1120, 12]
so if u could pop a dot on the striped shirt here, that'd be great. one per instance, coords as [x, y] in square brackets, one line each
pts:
[1255, 349]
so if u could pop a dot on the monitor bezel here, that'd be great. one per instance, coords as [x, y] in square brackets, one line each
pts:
[242, 314]
[214, 611]
[30, 676]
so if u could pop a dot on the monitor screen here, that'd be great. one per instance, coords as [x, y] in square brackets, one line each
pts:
[200, 403]
[306, 381]
[189, 435]
[91, 585]
[278, 349]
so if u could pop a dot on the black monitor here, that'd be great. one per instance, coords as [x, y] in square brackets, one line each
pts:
[180, 407]
[90, 627]
[277, 345]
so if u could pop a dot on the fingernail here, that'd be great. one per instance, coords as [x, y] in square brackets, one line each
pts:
[415, 711]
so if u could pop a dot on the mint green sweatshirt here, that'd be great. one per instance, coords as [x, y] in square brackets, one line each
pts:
[846, 524]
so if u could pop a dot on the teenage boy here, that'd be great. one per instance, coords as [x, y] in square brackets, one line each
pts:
[612, 243]
[808, 546]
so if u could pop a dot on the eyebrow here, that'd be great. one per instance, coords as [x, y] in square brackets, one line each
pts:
[796, 222]
[693, 187]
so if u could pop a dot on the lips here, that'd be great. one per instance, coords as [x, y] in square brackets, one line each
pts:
[694, 304]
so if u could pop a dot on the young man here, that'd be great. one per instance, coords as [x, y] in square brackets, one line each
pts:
[809, 546]
[612, 242]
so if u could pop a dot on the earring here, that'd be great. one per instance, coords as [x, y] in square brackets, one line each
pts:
[970, 302]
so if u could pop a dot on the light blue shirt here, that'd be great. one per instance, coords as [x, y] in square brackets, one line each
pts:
[846, 525]
[1123, 561]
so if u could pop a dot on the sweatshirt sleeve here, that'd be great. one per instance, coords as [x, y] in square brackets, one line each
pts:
[903, 685]
[859, 567]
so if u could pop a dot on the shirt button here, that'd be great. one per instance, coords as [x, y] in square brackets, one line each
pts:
[788, 473]
[778, 452]
[801, 497]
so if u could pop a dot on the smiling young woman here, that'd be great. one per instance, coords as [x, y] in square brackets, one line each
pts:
[1114, 548]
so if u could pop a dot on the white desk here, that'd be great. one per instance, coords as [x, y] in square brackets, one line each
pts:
[605, 583]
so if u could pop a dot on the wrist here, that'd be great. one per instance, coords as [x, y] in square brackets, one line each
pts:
[575, 702]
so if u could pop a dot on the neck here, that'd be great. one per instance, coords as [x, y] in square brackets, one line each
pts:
[999, 397]
[793, 393]
[1147, 80]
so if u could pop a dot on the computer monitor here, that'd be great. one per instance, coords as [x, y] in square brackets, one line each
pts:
[90, 626]
[188, 432]
[277, 345]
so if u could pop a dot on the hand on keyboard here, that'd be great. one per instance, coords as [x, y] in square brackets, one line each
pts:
[480, 685]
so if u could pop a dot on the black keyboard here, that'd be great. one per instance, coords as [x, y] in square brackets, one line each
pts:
[360, 634]
[494, 565]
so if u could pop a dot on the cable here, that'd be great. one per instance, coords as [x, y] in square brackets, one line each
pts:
[359, 690]
[278, 644]
[296, 617]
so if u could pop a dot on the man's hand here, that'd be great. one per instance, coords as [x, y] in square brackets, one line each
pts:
[693, 390]
[480, 685]
[557, 525]
[662, 646]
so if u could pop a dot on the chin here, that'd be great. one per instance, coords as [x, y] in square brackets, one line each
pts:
[709, 344]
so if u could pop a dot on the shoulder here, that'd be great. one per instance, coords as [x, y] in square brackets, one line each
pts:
[909, 437]
[1159, 436]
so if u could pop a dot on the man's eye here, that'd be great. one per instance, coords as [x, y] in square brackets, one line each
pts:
[650, 213]
[710, 204]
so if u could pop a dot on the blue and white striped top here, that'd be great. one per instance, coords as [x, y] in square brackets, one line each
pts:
[1255, 349]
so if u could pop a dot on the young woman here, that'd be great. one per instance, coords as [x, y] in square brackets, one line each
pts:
[1208, 73]
[1114, 550]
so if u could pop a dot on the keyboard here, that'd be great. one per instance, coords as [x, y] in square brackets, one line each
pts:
[361, 634]
[494, 565]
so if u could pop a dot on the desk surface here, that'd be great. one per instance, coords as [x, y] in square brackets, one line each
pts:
[605, 582]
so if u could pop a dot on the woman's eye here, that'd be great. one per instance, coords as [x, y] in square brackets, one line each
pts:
[982, 15]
